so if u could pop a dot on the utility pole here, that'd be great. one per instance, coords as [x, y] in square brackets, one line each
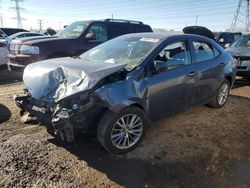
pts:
[240, 21]
[18, 10]
[196, 20]
[40, 24]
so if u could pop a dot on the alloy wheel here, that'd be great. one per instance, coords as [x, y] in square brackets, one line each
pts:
[127, 131]
[223, 94]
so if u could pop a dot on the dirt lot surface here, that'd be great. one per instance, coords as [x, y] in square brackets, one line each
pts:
[201, 147]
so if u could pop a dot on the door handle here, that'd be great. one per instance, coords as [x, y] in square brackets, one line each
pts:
[192, 74]
[222, 64]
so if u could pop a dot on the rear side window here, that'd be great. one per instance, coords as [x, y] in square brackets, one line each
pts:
[139, 28]
[203, 51]
[118, 29]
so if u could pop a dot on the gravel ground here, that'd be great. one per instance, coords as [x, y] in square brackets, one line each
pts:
[201, 147]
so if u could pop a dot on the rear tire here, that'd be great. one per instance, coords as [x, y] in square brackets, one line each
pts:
[222, 95]
[122, 132]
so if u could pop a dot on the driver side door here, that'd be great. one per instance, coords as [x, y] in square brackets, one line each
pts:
[170, 87]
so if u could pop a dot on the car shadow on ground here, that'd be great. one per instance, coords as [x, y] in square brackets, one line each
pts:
[138, 169]
[5, 113]
[9, 77]
[134, 172]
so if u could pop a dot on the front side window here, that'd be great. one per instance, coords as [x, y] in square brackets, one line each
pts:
[173, 56]
[100, 32]
[73, 30]
[202, 51]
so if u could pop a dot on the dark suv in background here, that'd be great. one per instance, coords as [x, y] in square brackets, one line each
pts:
[226, 38]
[75, 39]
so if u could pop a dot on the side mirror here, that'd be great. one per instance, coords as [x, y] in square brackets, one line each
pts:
[221, 40]
[227, 45]
[160, 66]
[90, 36]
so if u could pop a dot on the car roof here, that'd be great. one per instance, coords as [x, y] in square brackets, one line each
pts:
[20, 33]
[117, 21]
[163, 36]
[11, 31]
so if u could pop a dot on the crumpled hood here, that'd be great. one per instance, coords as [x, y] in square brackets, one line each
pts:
[55, 79]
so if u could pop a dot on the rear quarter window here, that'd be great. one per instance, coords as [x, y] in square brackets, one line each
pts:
[216, 52]
[203, 51]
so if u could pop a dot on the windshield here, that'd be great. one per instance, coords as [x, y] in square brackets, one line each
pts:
[243, 41]
[73, 30]
[130, 50]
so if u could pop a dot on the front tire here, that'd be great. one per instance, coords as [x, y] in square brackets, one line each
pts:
[122, 132]
[222, 95]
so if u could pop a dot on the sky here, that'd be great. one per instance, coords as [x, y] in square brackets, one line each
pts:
[217, 15]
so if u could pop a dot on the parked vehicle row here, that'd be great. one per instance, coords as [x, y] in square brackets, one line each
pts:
[6, 37]
[72, 41]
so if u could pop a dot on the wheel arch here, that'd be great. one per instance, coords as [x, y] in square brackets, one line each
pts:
[229, 79]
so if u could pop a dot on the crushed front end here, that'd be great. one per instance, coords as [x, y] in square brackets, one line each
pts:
[76, 114]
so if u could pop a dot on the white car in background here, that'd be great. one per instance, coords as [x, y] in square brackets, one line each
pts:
[3, 52]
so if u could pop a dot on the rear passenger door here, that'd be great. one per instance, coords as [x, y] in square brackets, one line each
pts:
[208, 70]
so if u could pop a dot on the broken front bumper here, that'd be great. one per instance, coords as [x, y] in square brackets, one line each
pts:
[59, 120]
[80, 115]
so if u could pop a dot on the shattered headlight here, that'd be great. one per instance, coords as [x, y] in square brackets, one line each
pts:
[26, 49]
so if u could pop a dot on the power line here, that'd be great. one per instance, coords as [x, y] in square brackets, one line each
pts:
[241, 17]
[177, 6]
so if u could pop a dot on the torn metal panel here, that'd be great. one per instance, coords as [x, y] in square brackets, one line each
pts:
[51, 82]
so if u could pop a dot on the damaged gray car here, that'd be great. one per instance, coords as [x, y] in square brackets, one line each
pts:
[120, 87]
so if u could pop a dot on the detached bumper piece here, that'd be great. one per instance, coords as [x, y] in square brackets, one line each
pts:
[26, 104]
[60, 120]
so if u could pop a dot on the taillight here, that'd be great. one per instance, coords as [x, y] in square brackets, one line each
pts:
[3, 45]
[234, 63]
